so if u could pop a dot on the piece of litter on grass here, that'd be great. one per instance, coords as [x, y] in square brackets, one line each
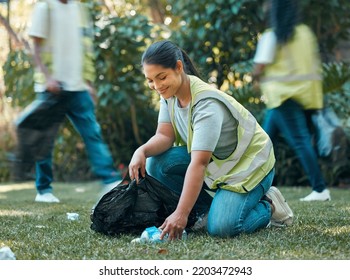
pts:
[40, 226]
[72, 216]
[163, 251]
[80, 190]
[6, 254]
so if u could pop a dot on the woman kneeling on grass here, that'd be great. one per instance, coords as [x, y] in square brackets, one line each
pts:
[207, 142]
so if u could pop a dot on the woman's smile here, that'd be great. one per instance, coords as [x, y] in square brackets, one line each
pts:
[162, 91]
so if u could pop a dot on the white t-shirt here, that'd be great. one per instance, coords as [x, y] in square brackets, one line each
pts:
[59, 25]
[266, 48]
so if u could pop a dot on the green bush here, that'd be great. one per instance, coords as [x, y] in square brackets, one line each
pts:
[18, 74]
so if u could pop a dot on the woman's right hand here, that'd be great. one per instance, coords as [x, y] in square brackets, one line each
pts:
[137, 165]
[158, 143]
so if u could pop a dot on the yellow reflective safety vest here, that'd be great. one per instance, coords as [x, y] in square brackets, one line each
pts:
[253, 157]
[295, 72]
[89, 72]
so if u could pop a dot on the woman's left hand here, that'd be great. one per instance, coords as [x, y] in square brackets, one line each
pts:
[174, 226]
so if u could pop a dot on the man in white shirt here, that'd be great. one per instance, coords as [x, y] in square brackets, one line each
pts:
[63, 83]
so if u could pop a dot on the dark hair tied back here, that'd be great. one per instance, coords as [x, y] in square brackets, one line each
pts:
[166, 54]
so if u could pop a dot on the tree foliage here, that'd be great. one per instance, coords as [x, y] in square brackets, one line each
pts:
[218, 34]
[18, 75]
[125, 105]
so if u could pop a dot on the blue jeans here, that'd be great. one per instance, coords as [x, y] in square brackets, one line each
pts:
[80, 110]
[230, 213]
[234, 213]
[289, 119]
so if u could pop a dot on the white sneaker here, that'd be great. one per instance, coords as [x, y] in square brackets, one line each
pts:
[318, 196]
[282, 215]
[46, 197]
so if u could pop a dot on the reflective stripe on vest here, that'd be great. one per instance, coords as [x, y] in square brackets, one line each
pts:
[246, 131]
[292, 78]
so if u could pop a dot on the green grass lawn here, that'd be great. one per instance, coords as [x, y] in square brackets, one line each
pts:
[39, 231]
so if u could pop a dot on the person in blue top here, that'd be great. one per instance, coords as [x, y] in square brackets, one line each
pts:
[209, 149]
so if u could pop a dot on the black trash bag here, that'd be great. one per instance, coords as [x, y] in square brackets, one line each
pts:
[36, 130]
[43, 112]
[114, 208]
[131, 207]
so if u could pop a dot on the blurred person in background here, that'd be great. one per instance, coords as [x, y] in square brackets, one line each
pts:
[288, 72]
[64, 76]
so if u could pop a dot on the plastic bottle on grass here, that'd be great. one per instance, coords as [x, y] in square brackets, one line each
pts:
[6, 254]
[152, 235]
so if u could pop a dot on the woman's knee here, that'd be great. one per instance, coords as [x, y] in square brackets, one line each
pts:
[153, 166]
[173, 161]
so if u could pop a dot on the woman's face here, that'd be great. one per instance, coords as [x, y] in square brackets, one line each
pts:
[165, 81]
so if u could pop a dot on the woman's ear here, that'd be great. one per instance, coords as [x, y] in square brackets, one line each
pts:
[179, 66]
